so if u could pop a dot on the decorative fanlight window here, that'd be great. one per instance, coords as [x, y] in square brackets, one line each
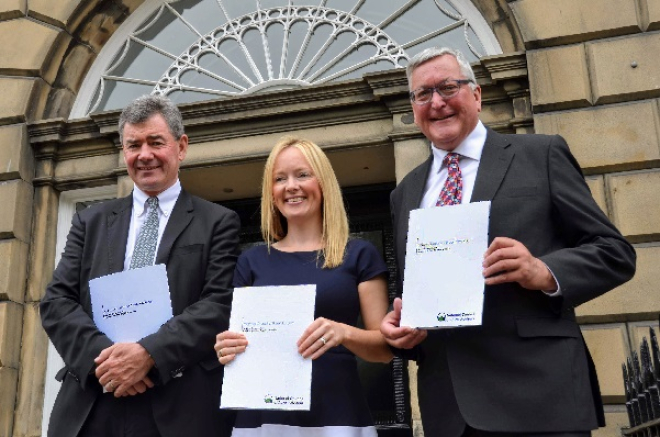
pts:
[193, 50]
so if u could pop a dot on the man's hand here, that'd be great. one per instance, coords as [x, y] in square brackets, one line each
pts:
[508, 260]
[122, 368]
[139, 387]
[397, 336]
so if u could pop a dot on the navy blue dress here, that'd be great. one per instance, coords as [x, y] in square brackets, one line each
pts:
[338, 407]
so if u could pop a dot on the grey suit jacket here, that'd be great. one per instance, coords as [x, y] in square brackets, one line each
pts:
[199, 249]
[526, 369]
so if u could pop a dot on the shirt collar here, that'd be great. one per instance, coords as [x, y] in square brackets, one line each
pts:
[166, 199]
[471, 147]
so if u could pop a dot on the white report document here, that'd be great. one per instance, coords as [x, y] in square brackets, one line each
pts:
[444, 284]
[270, 374]
[131, 304]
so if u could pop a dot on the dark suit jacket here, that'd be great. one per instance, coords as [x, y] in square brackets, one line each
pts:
[199, 249]
[526, 369]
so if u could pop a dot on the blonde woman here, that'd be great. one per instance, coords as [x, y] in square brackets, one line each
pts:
[304, 225]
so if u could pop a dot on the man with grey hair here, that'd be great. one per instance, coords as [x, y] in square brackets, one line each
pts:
[167, 383]
[526, 370]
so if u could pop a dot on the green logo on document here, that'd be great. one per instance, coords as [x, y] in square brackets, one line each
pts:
[442, 317]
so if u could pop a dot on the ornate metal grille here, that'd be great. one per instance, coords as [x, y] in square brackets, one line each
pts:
[194, 50]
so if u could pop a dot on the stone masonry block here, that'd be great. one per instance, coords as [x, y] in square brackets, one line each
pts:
[16, 161]
[90, 165]
[11, 325]
[607, 136]
[637, 331]
[409, 154]
[56, 13]
[15, 99]
[498, 15]
[10, 9]
[544, 23]
[654, 15]
[622, 69]
[639, 296]
[107, 17]
[496, 113]
[16, 212]
[636, 203]
[559, 78]
[74, 67]
[14, 254]
[131, 5]
[615, 419]
[30, 390]
[597, 186]
[43, 243]
[414, 397]
[608, 345]
[8, 381]
[60, 102]
[124, 186]
[26, 44]
[52, 64]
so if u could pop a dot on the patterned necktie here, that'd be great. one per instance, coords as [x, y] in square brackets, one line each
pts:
[452, 192]
[145, 245]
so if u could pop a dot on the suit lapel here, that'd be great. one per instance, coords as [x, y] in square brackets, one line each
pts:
[178, 221]
[493, 165]
[119, 221]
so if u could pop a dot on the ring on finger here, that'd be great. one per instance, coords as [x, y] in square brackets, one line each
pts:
[323, 340]
[220, 354]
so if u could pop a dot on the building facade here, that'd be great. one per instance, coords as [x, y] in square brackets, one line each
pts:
[585, 69]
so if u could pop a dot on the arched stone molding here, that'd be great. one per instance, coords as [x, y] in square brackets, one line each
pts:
[273, 72]
[89, 24]
[502, 22]
[85, 27]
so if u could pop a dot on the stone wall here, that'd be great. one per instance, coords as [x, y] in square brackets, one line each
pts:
[594, 75]
[46, 48]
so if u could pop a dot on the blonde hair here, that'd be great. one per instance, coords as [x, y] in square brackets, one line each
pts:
[335, 223]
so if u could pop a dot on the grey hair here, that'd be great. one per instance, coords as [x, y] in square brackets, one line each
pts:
[142, 108]
[434, 52]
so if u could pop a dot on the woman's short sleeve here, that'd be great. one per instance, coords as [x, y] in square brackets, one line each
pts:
[243, 276]
[368, 261]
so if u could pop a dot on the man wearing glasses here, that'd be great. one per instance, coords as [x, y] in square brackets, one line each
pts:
[526, 370]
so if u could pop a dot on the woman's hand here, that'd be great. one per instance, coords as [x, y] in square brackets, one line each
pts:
[320, 336]
[368, 343]
[228, 344]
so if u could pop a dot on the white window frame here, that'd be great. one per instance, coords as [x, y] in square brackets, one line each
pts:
[107, 54]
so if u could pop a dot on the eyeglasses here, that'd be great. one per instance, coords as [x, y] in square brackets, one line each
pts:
[446, 89]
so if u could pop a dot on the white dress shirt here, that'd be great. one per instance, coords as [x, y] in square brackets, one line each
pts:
[166, 201]
[470, 150]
